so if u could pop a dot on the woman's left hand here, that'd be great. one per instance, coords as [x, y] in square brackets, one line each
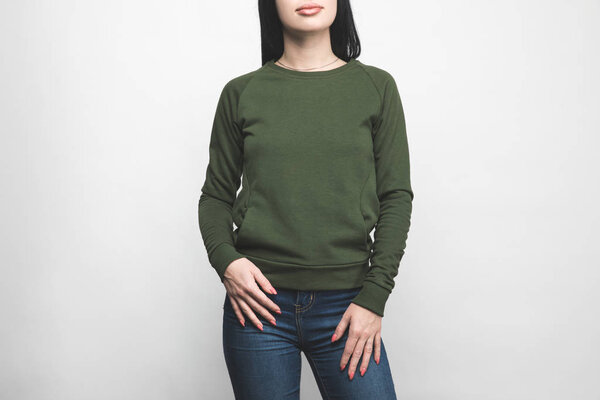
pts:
[364, 334]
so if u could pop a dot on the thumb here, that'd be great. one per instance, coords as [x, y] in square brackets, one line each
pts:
[341, 327]
[262, 281]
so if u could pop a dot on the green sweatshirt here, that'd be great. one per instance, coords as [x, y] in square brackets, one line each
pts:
[323, 159]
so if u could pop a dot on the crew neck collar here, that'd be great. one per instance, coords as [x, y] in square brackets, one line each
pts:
[311, 74]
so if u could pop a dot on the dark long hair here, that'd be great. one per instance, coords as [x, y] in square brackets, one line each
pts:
[344, 38]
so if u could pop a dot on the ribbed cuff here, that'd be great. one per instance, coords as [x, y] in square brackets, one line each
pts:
[222, 256]
[372, 297]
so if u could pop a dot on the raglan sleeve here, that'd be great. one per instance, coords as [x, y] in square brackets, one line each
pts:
[390, 147]
[222, 180]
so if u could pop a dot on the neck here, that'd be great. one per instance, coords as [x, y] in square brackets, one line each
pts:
[304, 50]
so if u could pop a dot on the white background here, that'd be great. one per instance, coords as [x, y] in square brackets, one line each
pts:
[105, 116]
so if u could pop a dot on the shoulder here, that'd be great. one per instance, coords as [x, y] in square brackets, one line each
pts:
[378, 75]
[235, 86]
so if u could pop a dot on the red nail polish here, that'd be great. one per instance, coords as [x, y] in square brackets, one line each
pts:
[260, 327]
[242, 322]
[362, 371]
[278, 311]
[333, 337]
[351, 376]
[273, 322]
[377, 360]
[273, 291]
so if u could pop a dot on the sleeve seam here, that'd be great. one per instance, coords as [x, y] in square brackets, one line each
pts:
[380, 119]
[381, 97]
[239, 99]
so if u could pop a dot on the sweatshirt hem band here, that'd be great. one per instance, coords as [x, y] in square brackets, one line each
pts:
[313, 277]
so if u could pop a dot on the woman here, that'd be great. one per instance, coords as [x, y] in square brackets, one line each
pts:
[318, 141]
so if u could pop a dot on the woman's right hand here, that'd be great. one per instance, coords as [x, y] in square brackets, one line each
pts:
[241, 277]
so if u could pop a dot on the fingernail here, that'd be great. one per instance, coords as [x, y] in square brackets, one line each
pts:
[377, 360]
[351, 375]
[362, 371]
[273, 322]
[260, 327]
[333, 337]
[242, 322]
[278, 311]
[273, 290]
[341, 367]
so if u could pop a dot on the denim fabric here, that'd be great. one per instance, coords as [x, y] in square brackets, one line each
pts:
[266, 365]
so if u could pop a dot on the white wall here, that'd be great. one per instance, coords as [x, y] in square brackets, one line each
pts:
[105, 113]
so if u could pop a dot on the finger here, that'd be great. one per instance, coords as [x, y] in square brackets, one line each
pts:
[348, 348]
[262, 298]
[377, 345]
[341, 328]
[237, 310]
[366, 356]
[256, 306]
[263, 281]
[358, 350]
[249, 313]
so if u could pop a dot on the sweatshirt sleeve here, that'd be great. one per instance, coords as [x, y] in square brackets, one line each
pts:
[390, 147]
[221, 184]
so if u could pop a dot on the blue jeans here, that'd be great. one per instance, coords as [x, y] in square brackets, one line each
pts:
[266, 365]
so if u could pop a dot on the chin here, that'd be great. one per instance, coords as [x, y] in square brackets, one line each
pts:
[310, 26]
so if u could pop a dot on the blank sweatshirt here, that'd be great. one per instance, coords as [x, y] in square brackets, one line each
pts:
[322, 159]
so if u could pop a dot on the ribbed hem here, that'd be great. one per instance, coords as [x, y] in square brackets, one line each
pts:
[372, 297]
[222, 256]
[312, 277]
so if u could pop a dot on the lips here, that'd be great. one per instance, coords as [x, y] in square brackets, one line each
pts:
[309, 8]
